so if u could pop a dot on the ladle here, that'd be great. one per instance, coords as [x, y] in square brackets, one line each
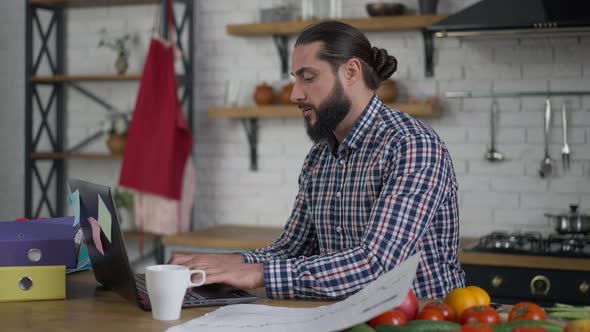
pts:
[546, 163]
[492, 155]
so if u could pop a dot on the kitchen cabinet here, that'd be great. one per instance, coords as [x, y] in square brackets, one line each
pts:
[511, 278]
[45, 113]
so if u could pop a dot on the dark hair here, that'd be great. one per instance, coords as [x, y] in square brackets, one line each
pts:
[340, 42]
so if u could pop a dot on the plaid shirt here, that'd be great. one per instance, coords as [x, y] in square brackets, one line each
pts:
[387, 192]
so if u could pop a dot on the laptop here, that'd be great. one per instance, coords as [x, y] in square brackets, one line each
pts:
[110, 262]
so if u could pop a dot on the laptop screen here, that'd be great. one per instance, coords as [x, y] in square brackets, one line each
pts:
[102, 235]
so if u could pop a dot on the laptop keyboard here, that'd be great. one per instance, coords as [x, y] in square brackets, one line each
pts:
[189, 297]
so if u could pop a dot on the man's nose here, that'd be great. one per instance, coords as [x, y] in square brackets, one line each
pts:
[297, 93]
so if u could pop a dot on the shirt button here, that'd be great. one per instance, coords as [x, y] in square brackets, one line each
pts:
[338, 229]
[338, 194]
[342, 161]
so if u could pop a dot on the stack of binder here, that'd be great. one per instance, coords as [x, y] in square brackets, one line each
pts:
[34, 256]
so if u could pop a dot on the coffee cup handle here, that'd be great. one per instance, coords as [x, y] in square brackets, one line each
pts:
[200, 283]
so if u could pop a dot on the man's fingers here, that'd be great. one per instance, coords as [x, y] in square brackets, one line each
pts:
[180, 258]
[210, 279]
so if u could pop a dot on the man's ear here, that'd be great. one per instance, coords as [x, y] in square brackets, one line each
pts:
[352, 70]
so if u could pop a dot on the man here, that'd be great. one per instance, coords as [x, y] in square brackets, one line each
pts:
[377, 186]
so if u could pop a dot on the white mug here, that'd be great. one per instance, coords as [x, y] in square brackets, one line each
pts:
[166, 286]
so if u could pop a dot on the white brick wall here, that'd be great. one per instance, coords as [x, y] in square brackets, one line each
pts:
[508, 196]
[12, 115]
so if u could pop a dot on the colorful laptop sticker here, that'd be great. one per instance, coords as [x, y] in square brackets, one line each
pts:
[96, 234]
[74, 202]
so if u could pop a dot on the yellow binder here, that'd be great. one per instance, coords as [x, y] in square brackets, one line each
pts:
[26, 283]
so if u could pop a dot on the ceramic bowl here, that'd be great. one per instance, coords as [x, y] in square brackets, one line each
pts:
[385, 9]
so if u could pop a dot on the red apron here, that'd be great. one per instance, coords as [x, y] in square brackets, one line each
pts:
[159, 140]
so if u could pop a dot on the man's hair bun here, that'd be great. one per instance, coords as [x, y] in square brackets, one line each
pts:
[383, 63]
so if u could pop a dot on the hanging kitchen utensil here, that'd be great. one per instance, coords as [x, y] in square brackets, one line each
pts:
[565, 150]
[546, 167]
[492, 154]
[572, 222]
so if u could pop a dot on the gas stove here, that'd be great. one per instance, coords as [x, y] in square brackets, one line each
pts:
[527, 266]
[533, 243]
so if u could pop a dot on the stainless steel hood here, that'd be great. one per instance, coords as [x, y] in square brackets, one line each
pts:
[517, 17]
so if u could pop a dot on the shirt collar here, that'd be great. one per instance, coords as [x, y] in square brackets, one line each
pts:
[364, 124]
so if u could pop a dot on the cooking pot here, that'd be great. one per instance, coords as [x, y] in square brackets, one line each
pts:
[572, 222]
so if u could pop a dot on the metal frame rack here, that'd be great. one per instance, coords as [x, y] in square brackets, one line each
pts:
[51, 108]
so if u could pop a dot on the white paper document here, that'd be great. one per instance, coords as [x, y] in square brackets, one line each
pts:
[383, 294]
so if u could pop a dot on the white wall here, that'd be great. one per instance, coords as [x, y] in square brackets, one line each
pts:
[508, 196]
[12, 110]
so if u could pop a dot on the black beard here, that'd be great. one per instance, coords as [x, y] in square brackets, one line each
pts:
[329, 114]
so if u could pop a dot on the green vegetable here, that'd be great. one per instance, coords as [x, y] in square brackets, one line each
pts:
[507, 327]
[420, 326]
[361, 328]
[567, 311]
[571, 315]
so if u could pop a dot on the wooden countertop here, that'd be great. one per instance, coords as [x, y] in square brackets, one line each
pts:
[522, 261]
[89, 308]
[251, 237]
[226, 237]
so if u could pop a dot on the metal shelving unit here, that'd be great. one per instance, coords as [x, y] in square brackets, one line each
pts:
[50, 185]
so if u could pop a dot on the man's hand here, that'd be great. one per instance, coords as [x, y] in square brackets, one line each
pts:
[229, 269]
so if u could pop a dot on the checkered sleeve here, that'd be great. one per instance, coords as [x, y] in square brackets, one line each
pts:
[415, 182]
[298, 237]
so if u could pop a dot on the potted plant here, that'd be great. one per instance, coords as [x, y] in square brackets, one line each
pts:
[124, 202]
[117, 127]
[120, 46]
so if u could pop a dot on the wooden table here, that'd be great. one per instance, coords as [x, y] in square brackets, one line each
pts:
[90, 308]
[220, 239]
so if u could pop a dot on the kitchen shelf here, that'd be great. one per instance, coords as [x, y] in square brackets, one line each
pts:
[250, 116]
[90, 3]
[289, 111]
[83, 78]
[389, 23]
[60, 156]
[280, 31]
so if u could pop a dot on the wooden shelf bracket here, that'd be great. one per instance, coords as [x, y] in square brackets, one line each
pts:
[251, 128]
[282, 44]
[427, 37]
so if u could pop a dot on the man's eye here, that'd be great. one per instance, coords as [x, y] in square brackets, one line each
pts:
[308, 79]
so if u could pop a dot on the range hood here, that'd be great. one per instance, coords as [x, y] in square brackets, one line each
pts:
[517, 17]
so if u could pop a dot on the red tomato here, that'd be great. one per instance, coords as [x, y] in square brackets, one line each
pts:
[481, 314]
[526, 310]
[579, 325]
[444, 308]
[430, 314]
[476, 327]
[391, 317]
[530, 328]
[409, 306]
